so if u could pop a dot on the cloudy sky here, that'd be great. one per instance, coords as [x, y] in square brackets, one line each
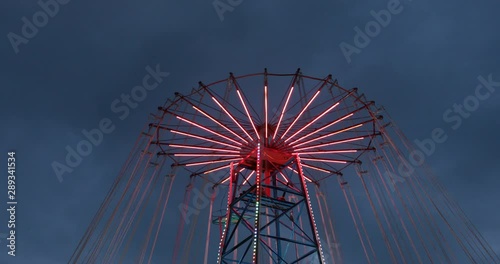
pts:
[63, 76]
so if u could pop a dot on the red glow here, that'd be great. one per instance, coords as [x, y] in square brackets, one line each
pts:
[313, 121]
[204, 155]
[305, 177]
[265, 108]
[316, 168]
[208, 162]
[321, 129]
[208, 130]
[227, 179]
[284, 177]
[217, 169]
[219, 123]
[301, 112]
[331, 143]
[231, 116]
[202, 148]
[202, 138]
[248, 113]
[283, 112]
[328, 152]
[325, 160]
[329, 134]
[247, 178]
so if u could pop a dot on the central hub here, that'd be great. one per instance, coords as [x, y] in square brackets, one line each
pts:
[274, 156]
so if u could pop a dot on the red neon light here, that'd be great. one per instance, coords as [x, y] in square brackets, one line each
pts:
[208, 130]
[204, 155]
[202, 148]
[202, 138]
[325, 160]
[328, 152]
[301, 112]
[208, 162]
[248, 113]
[219, 123]
[231, 116]
[284, 177]
[227, 179]
[329, 135]
[312, 121]
[321, 129]
[247, 178]
[315, 168]
[283, 112]
[265, 108]
[330, 143]
[305, 177]
[217, 169]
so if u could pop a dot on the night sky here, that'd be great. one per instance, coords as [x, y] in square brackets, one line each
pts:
[65, 78]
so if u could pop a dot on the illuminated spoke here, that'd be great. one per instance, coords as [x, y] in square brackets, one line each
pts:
[201, 148]
[307, 106]
[204, 155]
[305, 177]
[317, 168]
[332, 133]
[328, 125]
[203, 138]
[329, 152]
[265, 109]
[238, 91]
[319, 116]
[336, 142]
[217, 169]
[325, 160]
[207, 162]
[231, 116]
[208, 130]
[283, 112]
[219, 123]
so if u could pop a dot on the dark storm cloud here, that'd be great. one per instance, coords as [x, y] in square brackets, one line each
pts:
[64, 79]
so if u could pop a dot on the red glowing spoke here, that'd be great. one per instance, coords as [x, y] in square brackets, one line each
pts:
[203, 138]
[307, 105]
[207, 162]
[325, 160]
[231, 116]
[248, 113]
[294, 170]
[217, 169]
[248, 177]
[265, 109]
[312, 121]
[320, 116]
[316, 168]
[322, 128]
[204, 155]
[329, 152]
[219, 123]
[208, 130]
[330, 143]
[227, 179]
[202, 148]
[284, 177]
[331, 134]
[328, 125]
[283, 112]
[300, 114]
